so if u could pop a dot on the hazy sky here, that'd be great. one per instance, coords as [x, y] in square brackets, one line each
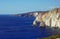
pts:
[21, 6]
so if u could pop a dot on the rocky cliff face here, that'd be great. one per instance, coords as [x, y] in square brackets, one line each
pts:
[50, 18]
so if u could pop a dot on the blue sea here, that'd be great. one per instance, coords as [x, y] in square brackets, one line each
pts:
[16, 27]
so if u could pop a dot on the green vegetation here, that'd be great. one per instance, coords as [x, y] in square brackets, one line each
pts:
[52, 37]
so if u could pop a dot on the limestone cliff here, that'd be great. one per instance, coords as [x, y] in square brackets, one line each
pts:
[50, 18]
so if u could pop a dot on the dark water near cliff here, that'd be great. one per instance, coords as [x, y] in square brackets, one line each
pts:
[15, 27]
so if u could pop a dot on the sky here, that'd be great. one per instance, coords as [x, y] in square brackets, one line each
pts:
[23, 6]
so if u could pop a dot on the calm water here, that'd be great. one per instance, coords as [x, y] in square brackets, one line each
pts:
[14, 27]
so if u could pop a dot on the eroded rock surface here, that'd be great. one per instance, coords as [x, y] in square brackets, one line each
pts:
[50, 18]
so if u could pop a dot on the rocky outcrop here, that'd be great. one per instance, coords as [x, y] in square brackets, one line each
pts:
[50, 18]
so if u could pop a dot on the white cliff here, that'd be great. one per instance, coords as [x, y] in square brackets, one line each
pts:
[50, 18]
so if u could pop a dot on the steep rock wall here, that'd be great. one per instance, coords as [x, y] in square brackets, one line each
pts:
[50, 18]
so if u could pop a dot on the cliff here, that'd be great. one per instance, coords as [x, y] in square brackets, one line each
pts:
[50, 18]
[30, 14]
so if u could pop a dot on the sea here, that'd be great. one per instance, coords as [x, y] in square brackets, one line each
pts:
[16, 27]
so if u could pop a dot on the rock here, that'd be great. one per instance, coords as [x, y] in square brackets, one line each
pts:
[50, 18]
